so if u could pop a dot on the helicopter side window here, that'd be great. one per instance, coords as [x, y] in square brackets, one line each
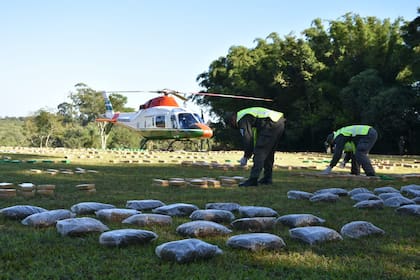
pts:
[160, 121]
[186, 120]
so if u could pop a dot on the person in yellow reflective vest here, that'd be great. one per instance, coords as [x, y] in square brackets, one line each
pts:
[364, 138]
[349, 155]
[261, 130]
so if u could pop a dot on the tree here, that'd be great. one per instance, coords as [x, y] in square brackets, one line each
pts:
[89, 105]
[42, 128]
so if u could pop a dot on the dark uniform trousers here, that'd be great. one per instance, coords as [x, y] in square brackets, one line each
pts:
[363, 146]
[268, 137]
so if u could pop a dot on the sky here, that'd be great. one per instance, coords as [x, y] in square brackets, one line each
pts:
[48, 46]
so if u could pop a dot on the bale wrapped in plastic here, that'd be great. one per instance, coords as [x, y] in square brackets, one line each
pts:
[369, 204]
[214, 215]
[228, 206]
[315, 234]
[47, 218]
[398, 201]
[202, 229]
[255, 224]
[125, 237]
[176, 209]
[19, 212]
[256, 211]
[365, 196]
[300, 220]
[359, 190]
[324, 197]
[144, 220]
[294, 194]
[256, 241]
[412, 209]
[89, 208]
[358, 229]
[386, 189]
[80, 226]
[115, 214]
[187, 250]
[336, 191]
[385, 196]
[407, 188]
[144, 204]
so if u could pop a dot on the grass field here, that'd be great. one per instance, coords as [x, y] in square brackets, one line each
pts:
[31, 253]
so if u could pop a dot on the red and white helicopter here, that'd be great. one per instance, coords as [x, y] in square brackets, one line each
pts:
[162, 117]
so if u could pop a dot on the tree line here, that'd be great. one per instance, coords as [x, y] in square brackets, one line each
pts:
[354, 70]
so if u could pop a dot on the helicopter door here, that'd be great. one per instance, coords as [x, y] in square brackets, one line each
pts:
[174, 122]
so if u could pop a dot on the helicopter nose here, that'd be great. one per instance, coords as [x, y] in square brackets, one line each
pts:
[207, 132]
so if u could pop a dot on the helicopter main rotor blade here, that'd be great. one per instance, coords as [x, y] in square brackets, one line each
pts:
[232, 96]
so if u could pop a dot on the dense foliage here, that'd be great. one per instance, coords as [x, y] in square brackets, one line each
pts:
[354, 71]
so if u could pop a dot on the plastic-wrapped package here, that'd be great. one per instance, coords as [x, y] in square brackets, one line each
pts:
[387, 189]
[398, 201]
[115, 214]
[385, 196]
[256, 211]
[412, 209]
[408, 188]
[214, 215]
[325, 197]
[364, 196]
[187, 250]
[89, 208]
[336, 191]
[358, 190]
[358, 229]
[294, 194]
[228, 206]
[20, 212]
[369, 204]
[255, 224]
[80, 226]
[47, 218]
[315, 234]
[125, 237]
[176, 209]
[145, 204]
[256, 241]
[144, 220]
[202, 229]
[300, 220]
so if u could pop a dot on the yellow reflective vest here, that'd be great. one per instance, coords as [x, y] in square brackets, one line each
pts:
[352, 130]
[349, 147]
[259, 112]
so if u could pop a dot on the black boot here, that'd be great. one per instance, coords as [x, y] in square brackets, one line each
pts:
[265, 181]
[251, 182]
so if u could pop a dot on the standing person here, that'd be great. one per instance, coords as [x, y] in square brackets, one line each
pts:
[401, 145]
[364, 138]
[261, 130]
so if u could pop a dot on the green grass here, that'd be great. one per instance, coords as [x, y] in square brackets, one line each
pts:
[29, 253]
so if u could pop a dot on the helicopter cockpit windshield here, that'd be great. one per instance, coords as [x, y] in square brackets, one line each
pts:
[187, 120]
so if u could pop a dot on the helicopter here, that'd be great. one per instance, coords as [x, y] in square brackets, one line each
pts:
[161, 118]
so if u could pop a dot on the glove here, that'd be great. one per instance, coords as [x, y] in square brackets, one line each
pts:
[342, 164]
[243, 161]
[326, 171]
